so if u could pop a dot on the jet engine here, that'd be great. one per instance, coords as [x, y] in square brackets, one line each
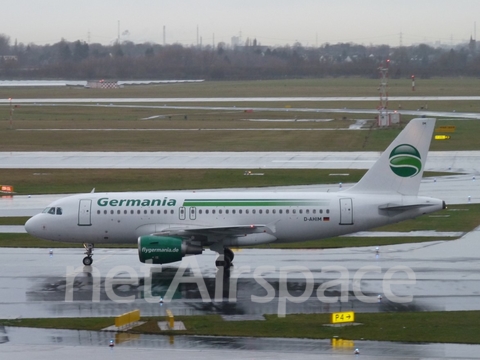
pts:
[164, 249]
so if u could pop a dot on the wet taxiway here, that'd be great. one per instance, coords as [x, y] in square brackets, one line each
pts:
[446, 277]
[21, 344]
[427, 276]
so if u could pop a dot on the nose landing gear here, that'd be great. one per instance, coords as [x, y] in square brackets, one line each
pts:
[87, 260]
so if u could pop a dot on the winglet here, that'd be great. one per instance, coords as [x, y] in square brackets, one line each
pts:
[400, 167]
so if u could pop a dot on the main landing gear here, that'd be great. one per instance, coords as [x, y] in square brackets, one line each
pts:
[227, 256]
[87, 260]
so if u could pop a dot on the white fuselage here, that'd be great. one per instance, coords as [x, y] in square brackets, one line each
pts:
[287, 216]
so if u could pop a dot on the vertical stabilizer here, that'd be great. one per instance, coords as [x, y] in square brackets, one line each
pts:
[400, 167]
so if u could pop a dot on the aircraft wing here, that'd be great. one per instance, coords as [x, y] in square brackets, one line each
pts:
[208, 231]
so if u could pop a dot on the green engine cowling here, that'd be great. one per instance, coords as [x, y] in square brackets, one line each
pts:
[164, 249]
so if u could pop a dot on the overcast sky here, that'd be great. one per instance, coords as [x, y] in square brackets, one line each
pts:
[271, 22]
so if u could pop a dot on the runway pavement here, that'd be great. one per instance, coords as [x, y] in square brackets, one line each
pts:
[448, 161]
[233, 99]
[22, 344]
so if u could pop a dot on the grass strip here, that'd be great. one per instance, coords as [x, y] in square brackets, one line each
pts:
[68, 181]
[20, 220]
[437, 327]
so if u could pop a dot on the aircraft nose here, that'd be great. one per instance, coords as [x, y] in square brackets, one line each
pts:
[31, 225]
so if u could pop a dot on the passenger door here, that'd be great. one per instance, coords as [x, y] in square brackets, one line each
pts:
[85, 212]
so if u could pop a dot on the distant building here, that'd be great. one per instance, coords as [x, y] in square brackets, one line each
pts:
[102, 84]
[236, 41]
[9, 58]
[472, 45]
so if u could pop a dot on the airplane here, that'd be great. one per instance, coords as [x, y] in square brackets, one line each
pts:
[169, 225]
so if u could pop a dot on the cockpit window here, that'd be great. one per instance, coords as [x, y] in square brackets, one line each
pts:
[53, 210]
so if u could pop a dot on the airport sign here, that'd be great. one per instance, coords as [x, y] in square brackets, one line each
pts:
[342, 317]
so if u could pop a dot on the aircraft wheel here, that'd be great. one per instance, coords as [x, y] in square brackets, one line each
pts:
[87, 261]
[229, 254]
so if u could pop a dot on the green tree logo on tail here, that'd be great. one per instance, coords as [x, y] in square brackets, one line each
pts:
[405, 161]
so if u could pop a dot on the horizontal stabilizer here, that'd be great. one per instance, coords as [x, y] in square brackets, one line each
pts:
[398, 207]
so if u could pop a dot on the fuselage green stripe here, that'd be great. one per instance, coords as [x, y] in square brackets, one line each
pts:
[248, 202]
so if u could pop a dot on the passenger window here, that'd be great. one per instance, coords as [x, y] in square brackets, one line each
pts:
[328, 211]
[300, 211]
[138, 212]
[260, 211]
[274, 211]
[266, 211]
[233, 211]
[246, 211]
[294, 211]
[206, 211]
[307, 211]
[119, 212]
[158, 212]
[320, 211]
[314, 211]
[213, 211]
[112, 212]
[105, 212]
[125, 212]
[254, 211]
[200, 211]
[98, 212]
[280, 211]
[171, 211]
[165, 212]
[220, 211]
[132, 212]
[287, 211]
[226, 211]
[240, 211]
